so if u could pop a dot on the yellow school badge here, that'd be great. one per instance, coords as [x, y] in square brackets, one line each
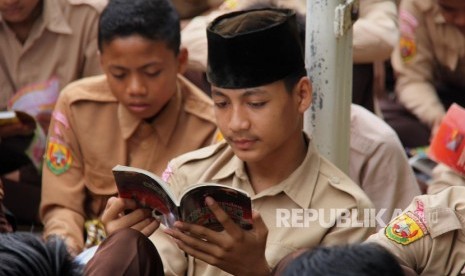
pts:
[408, 49]
[406, 229]
[58, 157]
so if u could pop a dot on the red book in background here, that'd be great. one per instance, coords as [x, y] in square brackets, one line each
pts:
[448, 145]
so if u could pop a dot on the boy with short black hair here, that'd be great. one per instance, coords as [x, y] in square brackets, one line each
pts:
[140, 113]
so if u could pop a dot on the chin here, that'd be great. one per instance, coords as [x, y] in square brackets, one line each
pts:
[248, 156]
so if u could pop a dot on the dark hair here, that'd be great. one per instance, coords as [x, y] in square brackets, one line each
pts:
[350, 260]
[23, 253]
[156, 20]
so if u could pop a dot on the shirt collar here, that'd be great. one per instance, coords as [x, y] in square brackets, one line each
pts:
[54, 18]
[298, 186]
[438, 17]
[163, 124]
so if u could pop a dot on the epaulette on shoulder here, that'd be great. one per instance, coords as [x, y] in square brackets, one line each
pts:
[85, 89]
[200, 154]
[99, 5]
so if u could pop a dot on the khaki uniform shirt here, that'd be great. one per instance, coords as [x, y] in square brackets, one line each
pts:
[429, 51]
[378, 163]
[316, 184]
[91, 132]
[430, 237]
[61, 47]
[443, 177]
[375, 32]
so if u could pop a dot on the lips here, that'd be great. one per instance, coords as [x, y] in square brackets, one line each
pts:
[243, 143]
[138, 107]
[15, 7]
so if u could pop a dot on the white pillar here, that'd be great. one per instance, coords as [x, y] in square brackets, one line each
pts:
[328, 58]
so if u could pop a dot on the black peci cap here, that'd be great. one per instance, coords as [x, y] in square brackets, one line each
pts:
[253, 48]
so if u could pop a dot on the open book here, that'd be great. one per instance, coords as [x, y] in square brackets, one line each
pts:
[150, 191]
[14, 117]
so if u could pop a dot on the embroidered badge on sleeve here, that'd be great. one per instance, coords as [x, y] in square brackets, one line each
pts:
[406, 229]
[407, 24]
[408, 49]
[58, 157]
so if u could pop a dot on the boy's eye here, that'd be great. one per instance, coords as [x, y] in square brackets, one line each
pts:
[153, 73]
[220, 104]
[118, 75]
[257, 104]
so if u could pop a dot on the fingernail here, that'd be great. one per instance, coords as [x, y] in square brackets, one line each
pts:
[209, 201]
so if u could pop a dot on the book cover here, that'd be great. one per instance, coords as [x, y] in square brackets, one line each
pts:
[15, 117]
[150, 191]
[448, 145]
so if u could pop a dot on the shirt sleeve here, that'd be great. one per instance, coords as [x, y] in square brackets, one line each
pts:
[63, 190]
[388, 178]
[413, 62]
[375, 32]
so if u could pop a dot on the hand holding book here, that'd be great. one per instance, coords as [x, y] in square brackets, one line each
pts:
[150, 191]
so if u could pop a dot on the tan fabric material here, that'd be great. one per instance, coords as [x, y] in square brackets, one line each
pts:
[376, 32]
[315, 184]
[100, 133]
[374, 36]
[443, 177]
[440, 51]
[378, 163]
[441, 251]
[62, 44]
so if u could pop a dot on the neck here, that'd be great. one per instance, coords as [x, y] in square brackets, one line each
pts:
[23, 29]
[264, 175]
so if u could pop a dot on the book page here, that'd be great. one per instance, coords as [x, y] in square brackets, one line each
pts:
[236, 203]
[148, 190]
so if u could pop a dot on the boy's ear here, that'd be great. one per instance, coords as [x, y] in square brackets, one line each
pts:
[183, 58]
[304, 94]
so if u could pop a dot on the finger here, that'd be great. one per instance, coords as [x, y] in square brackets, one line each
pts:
[126, 221]
[196, 253]
[150, 228]
[112, 209]
[135, 217]
[259, 225]
[229, 225]
[146, 226]
[115, 206]
[193, 245]
[197, 231]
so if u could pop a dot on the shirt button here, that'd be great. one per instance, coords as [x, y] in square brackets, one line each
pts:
[334, 180]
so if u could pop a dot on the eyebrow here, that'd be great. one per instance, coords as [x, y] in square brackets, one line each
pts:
[248, 92]
[142, 67]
